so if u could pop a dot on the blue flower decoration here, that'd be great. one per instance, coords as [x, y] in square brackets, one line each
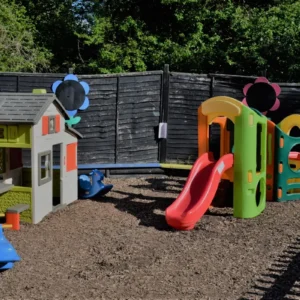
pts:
[73, 96]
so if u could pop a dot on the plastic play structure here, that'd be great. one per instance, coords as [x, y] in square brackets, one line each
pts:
[255, 155]
[91, 185]
[35, 124]
[39, 123]
[8, 254]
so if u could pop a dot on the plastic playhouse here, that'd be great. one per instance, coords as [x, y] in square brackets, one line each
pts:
[255, 155]
[8, 254]
[35, 123]
[38, 125]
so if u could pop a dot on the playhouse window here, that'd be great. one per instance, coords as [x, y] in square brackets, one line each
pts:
[54, 124]
[2, 133]
[45, 167]
[51, 124]
[2, 160]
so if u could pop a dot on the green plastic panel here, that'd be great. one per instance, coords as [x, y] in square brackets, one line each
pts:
[26, 180]
[250, 158]
[15, 136]
[17, 195]
[283, 145]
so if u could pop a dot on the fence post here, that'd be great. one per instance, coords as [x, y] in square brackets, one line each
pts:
[164, 111]
[117, 120]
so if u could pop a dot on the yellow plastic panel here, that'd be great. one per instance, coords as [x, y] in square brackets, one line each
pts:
[222, 106]
[289, 122]
[13, 134]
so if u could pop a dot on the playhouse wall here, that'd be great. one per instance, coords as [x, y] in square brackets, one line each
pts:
[26, 180]
[13, 177]
[17, 195]
[42, 195]
[13, 167]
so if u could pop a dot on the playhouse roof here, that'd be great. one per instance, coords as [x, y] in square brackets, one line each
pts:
[28, 108]
[74, 131]
[25, 108]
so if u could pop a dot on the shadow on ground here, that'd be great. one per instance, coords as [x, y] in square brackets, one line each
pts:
[150, 210]
[162, 184]
[282, 281]
[137, 200]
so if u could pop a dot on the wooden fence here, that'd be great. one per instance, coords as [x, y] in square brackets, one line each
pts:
[121, 124]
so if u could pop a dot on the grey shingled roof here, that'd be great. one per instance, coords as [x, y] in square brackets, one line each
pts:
[24, 108]
[27, 108]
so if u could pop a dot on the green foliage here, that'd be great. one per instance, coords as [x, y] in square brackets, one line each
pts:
[103, 36]
[18, 50]
[268, 40]
[243, 37]
[55, 21]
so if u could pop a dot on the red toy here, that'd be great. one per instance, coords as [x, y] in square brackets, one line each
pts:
[198, 192]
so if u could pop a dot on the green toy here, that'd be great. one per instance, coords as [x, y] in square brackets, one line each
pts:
[250, 152]
[284, 175]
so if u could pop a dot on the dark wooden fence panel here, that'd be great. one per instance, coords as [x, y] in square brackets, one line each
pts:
[229, 88]
[8, 84]
[138, 109]
[28, 83]
[127, 137]
[186, 93]
[98, 122]
[25, 83]
[121, 123]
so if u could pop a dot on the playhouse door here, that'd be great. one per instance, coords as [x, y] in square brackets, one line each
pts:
[69, 188]
[57, 181]
[42, 185]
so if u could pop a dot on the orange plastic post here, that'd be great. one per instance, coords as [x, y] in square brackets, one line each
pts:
[279, 193]
[222, 123]
[13, 219]
[227, 141]
[203, 139]
[203, 133]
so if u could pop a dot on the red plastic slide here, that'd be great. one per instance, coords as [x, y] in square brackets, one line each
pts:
[198, 192]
